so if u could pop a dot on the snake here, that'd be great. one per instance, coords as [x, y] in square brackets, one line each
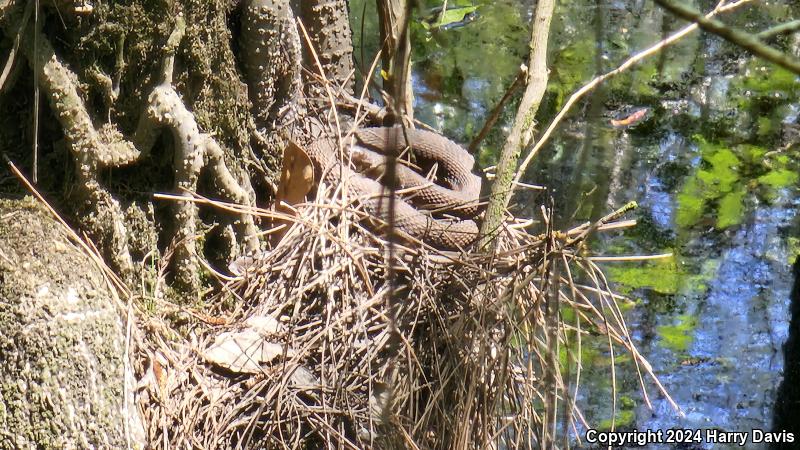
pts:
[440, 212]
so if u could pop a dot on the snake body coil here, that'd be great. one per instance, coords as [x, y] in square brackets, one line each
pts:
[273, 80]
[419, 212]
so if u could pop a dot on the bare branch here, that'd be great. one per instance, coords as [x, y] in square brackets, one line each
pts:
[777, 30]
[495, 114]
[734, 35]
[630, 62]
[524, 123]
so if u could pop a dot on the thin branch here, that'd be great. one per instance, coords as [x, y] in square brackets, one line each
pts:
[635, 59]
[521, 76]
[629, 258]
[522, 131]
[777, 30]
[734, 35]
[36, 93]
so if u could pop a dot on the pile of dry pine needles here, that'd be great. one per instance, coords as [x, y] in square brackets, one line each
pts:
[318, 350]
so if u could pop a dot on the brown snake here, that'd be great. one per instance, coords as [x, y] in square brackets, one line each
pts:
[457, 195]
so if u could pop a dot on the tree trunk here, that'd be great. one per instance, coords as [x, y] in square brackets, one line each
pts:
[328, 25]
[140, 97]
[524, 123]
[396, 55]
[62, 342]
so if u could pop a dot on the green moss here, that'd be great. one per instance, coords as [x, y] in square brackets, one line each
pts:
[591, 351]
[691, 204]
[626, 304]
[722, 182]
[572, 66]
[698, 284]
[568, 314]
[718, 181]
[792, 250]
[678, 337]
[722, 175]
[765, 126]
[779, 178]
[766, 80]
[624, 416]
[662, 277]
[782, 159]
[644, 76]
[731, 209]
[752, 154]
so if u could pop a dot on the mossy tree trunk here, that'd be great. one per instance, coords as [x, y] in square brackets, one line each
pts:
[137, 98]
[162, 96]
[63, 346]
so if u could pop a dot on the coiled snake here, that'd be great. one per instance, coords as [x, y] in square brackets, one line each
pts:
[454, 191]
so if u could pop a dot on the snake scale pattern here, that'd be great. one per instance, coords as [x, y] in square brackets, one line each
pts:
[271, 53]
[455, 191]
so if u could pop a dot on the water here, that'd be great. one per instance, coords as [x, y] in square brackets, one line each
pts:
[712, 165]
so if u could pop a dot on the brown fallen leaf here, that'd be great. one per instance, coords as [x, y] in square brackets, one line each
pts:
[159, 366]
[264, 324]
[243, 351]
[297, 179]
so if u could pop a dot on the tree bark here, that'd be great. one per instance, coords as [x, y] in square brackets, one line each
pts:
[524, 123]
[62, 342]
[328, 26]
[393, 16]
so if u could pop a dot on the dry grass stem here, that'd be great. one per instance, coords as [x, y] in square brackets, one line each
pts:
[310, 352]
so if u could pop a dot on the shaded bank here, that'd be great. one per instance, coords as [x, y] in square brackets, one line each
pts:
[787, 403]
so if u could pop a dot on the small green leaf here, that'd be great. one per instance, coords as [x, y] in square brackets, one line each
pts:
[449, 17]
[455, 15]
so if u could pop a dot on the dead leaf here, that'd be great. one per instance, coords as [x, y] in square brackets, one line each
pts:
[160, 364]
[303, 378]
[243, 351]
[297, 179]
[297, 175]
[265, 325]
[239, 265]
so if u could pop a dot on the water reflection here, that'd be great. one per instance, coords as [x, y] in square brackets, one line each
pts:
[712, 165]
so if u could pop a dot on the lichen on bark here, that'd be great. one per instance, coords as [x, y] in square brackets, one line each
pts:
[99, 75]
[62, 342]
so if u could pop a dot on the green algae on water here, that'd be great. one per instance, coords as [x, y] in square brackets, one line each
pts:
[719, 187]
[731, 209]
[664, 277]
[779, 178]
[625, 414]
[678, 337]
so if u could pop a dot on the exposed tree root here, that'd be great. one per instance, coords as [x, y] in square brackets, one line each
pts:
[194, 151]
[94, 149]
[91, 149]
